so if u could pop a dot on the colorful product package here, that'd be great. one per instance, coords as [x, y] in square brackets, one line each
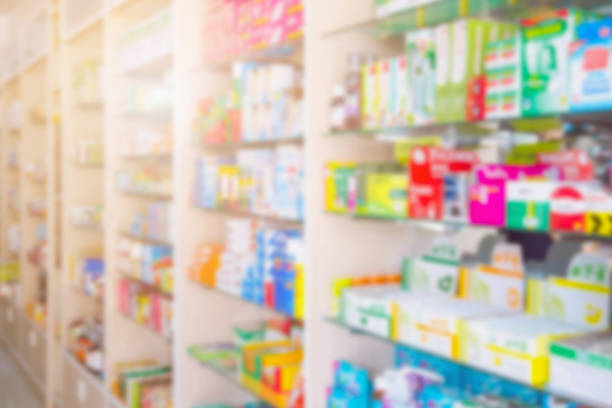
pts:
[428, 167]
[501, 284]
[488, 195]
[382, 191]
[370, 308]
[503, 75]
[572, 164]
[409, 356]
[528, 205]
[340, 187]
[514, 346]
[421, 60]
[582, 366]
[436, 324]
[591, 67]
[546, 72]
[460, 70]
[435, 273]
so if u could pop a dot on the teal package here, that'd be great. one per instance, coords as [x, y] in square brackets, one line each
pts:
[546, 41]
[478, 383]
[449, 370]
[591, 67]
[340, 398]
[355, 380]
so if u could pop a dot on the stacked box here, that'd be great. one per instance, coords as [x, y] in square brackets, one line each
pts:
[546, 42]
[503, 72]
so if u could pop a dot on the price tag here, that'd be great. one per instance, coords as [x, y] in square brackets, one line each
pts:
[81, 391]
[589, 268]
[33, 339]
[508, 257]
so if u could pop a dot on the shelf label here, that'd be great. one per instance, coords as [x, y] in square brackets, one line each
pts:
[81, 391]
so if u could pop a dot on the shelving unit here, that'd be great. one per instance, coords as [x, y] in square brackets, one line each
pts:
[99, 158]
[139, 178]
[83, 104]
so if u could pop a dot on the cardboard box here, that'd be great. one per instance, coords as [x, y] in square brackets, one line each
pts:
[528, 205]
[546, 68]
[582, 366]
[591, 67]
[515, 347]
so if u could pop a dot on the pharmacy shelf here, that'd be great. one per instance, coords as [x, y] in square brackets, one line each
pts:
[442, 11]
[145, 194]
[151, 287]
[80, 290]
[479, 129]
[354, 331]
[245, 144]
[281, 52]
[224, 293]
[247, 214]
[454, 226]
[231, 374]
[144, 327]
[146, 238]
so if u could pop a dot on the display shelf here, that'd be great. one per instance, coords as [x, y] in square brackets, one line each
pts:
[146, 238]
[441, 11]
[221, 292]
[288, 52]
[146, 194]
[160, 157]
[92, 376]
[151, 287]
[354, 331]
[450, 226]
[599, 119]
[253, 143]
[84, 292]
[144, 327]
[230, 374]
[248, 214]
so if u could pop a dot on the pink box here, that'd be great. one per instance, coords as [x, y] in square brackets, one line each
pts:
[488, 195]
[293, 21]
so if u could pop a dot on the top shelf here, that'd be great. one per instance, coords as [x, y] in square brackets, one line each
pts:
[442, 11]
[287, 52]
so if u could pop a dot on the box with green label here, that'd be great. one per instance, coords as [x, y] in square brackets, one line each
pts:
[460, 67]
[514, 346]
[582, 366]
[382, 191]
[340, 187]
[370, 308]
[546, 40]
[528, 205]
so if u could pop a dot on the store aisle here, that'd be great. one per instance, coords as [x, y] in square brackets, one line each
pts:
[15, 390]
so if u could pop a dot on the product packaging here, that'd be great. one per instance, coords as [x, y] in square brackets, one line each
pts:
[547, 39]
[582, 366]
[488, 195]
[591, 67]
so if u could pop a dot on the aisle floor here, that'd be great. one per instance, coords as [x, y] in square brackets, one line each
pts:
[15, 390]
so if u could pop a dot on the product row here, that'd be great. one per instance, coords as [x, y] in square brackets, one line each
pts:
[477, 69]
[268, 182]
[260, 264]
[556, 191]
[487, 310]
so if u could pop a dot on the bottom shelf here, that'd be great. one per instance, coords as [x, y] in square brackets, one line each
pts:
[228, 367]
[582, 402]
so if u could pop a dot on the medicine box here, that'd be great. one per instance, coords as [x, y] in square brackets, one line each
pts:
[591, 67]
[582, 366]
